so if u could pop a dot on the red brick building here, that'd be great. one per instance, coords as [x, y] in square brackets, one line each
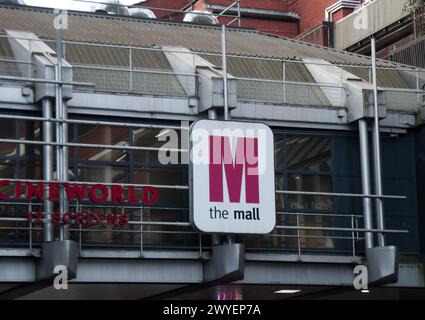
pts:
[288, 18]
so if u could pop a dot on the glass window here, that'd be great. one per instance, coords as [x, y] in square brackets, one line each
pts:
[103, 135]
[101, 173]
[279, 145]
[315, 183]
[308, 153]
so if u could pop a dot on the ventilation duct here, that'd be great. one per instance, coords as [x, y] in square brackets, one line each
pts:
[200, 17]
[19, 2]
[111, 8]
[142, 13]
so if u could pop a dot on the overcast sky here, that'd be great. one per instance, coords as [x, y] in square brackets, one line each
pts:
[72, 4]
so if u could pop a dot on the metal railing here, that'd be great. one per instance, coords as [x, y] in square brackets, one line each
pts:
[128, 75]
[135, 81]
[168, 228]
[321, 35]
[290, 92]
[300, 232]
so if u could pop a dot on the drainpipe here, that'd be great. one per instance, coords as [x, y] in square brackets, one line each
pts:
[65, 165]
[224, 69]
[47, 168]
[377, 151]
[61, 135]
[230, 239]
[365, 171]
[212, 115]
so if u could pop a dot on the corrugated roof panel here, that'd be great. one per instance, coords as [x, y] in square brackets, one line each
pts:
[149, 33]
[386, 78]
[274, 92]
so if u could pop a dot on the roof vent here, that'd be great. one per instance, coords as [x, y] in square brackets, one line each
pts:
[142, 13]
[19, 2]
[111, 8]
[201, 17]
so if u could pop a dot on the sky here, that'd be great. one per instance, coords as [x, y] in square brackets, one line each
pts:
[79, 5]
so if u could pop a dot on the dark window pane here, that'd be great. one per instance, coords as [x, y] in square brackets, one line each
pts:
[308, 153]
[104, 135]
[314, 183]
[30, 169]
[102, 174]
[279, 149]
[280, 185]
[7, 169]
[155, 138]
[162, 176]
[30, 130]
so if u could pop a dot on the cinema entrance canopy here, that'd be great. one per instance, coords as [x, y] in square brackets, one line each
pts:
[125, 83]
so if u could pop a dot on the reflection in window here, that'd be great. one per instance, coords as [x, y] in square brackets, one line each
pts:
[135, 167]
[308, 153]
[18, 161]
[315, 183]
[303, 163]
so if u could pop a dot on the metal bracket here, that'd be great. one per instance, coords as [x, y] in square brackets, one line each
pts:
[382, 265]
[227, 263]
[58, 253]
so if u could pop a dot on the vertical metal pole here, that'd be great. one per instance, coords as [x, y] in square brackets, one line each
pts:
[212, 115]
[30, 59]
[65, 165]
[30, 228]
[365, 171]
[59, 126]
[230, 239]
[141, 231]
[224, 63]
[353, 241]
[47, 168]
[284, 80]
[239, 13]
[298, 237]
[377, 151]
[130, 59]
[418, 88]
[341, 83]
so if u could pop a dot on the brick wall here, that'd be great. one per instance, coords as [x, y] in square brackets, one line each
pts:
[274, 5]
[312, 12]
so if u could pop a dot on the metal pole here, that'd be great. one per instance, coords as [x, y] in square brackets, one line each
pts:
[365, 171]
[239, 13]
[130, 61]
[59, 126]
[65, 166]
[224, 70]
[230, 239]
[377, 150]
[212, 115]
[47, 168]
[418, 88]
[284, 80]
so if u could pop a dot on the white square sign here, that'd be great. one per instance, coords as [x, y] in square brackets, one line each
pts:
[232, 177]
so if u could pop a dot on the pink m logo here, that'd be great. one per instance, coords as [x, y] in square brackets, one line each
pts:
[246, 162]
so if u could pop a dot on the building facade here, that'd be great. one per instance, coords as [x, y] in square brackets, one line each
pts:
[287, 18]
[126, 83]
